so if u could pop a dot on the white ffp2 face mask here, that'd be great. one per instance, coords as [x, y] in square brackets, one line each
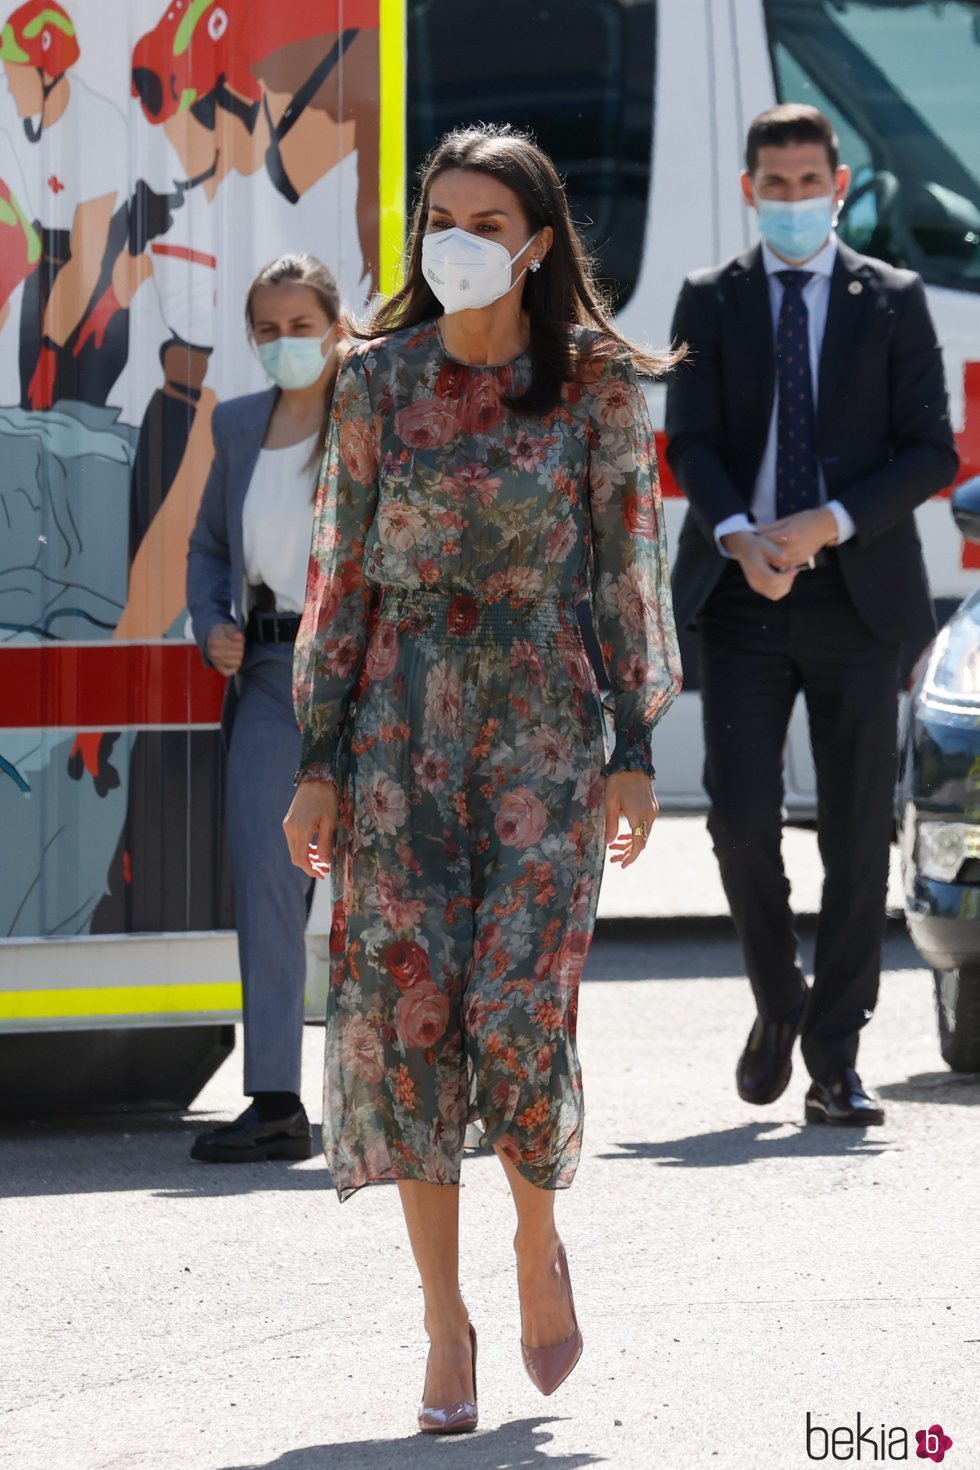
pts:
[468, 271]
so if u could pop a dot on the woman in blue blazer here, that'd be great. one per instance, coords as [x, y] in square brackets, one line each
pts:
[246, 579]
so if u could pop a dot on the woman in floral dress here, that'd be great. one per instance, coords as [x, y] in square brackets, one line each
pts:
[490, 465]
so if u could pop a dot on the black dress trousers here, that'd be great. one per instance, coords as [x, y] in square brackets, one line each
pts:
[756, 656]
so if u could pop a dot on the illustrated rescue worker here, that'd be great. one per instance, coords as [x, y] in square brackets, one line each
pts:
[192, 86]
[20, 244]
[198, 77]
[169, 870]
[74, 189]
[20, 252]
[313, 123]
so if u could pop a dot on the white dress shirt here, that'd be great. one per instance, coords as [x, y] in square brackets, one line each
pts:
[277, 523]
[816, 295]
[67, 169]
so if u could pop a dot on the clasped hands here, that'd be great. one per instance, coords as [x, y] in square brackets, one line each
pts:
[772, 554]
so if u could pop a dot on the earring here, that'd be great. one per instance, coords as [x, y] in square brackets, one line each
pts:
[535, 265]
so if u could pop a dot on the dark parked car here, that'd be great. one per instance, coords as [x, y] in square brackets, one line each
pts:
[939, 813]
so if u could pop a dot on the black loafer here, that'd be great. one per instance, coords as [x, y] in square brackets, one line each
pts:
[842, 1099]
[249, 1140]
[766, 1064]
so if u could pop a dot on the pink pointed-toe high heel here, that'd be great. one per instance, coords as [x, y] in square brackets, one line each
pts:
[458, 1418]
[548, 1367]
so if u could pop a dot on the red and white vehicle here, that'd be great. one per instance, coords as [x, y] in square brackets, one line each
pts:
[252, 126]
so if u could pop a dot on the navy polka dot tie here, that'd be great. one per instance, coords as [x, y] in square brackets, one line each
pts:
[797, 485]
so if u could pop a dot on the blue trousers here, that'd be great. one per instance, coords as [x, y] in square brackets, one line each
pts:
[272, 897]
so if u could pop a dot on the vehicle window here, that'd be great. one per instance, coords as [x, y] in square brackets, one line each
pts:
[578, 73]
[900, 79]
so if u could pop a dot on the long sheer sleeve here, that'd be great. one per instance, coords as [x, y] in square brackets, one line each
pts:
[631, 584]
[333, 633]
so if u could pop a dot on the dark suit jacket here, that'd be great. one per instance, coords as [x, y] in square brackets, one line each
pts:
[883, 433]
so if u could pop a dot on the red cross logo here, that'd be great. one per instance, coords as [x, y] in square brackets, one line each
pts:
[55, 184]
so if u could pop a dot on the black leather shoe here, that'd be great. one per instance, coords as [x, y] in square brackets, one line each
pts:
[250, 1140]
[841, 1098]
[766, 1064]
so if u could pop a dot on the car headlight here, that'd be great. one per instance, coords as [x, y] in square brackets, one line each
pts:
[944, 847]
[954, 668]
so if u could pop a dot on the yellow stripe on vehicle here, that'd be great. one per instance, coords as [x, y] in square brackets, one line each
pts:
[391, 143]
[120, 1000]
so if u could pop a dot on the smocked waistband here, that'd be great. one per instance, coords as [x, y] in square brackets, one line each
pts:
[466, 614]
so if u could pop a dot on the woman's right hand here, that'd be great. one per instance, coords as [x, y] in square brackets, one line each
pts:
[309, 826]
[225, 647]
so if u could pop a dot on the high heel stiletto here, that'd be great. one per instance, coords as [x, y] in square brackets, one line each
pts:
[548, 1367]
[458, 1418]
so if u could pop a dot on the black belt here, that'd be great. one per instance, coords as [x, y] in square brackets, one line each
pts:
[268, 627]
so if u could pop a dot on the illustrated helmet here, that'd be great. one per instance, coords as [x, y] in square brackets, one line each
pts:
[40, 33]
[189, 53]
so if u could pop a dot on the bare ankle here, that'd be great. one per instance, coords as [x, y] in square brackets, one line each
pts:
[536, 1242]
[450, 1319]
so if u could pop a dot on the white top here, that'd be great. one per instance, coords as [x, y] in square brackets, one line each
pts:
[816, 295]
[64, 169]
[185, 270]
[277, 523]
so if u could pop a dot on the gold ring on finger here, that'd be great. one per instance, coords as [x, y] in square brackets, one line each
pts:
[641, 830]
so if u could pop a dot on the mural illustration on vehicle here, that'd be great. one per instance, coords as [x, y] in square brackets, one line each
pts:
[130, 219]
[152, 157]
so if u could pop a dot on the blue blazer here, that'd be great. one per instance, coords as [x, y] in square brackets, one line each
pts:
[215, 560]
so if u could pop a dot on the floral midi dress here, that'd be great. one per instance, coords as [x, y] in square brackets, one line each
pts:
[461, 719]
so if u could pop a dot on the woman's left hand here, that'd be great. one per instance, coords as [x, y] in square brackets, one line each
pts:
[629, 794]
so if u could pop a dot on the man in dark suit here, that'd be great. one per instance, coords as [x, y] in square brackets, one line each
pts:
[807, 424]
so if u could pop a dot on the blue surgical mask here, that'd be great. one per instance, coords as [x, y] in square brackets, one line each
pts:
[796, 230]
[294, 362]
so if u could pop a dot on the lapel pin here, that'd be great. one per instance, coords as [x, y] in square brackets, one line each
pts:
[855, 288]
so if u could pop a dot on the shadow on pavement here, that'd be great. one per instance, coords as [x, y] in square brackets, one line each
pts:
[962, 1088]
[132, 1151]
[144, 1151]
[751, 1142]
[509, 1447]
[705, 949]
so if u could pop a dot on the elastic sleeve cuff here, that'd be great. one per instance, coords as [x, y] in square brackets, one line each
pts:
[314, 773]
[319, 760]
[631, 753]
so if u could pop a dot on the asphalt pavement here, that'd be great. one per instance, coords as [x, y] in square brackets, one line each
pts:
[734, 1271]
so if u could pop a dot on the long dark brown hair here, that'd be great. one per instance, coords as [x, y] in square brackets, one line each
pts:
[305, 270]
[563, 293]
